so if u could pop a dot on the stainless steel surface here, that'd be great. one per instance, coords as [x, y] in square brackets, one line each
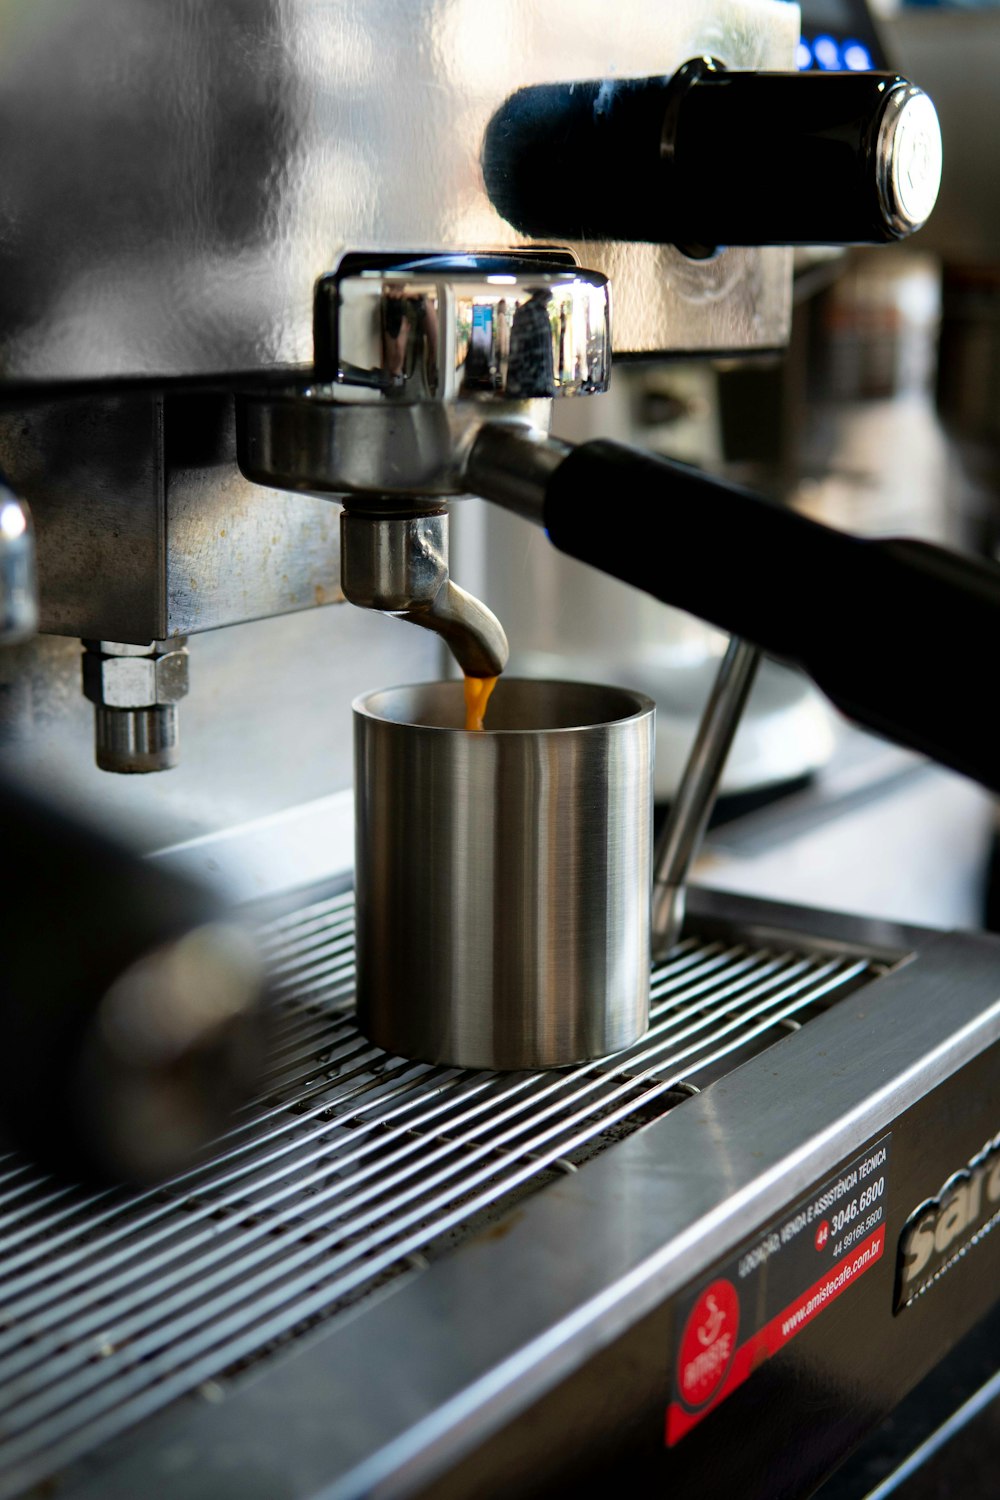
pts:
[908, 158]
[18, 579]
[135, 691]
[878, 830]
[178, 177]
[691, 809]
[546, 815]
[391, 452]
[399, 564]
[510, 463]
[264, 858]
[267, 732]
[353, 1168]
[145, 526]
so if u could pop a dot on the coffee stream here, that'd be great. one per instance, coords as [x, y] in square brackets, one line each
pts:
[477, 695]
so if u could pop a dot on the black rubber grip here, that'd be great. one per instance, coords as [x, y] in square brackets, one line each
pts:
[704, 158]
[900, 635]
[781, 159]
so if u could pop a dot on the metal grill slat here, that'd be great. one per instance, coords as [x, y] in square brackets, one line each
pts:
[308, 1031]
[348, 1164]
[637, 1061]
[733, 999]
[775, 1017]
[409, 1148]
[209, 1210]
[132, 1408]
[732, 991]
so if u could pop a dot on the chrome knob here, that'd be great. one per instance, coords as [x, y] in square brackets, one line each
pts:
[908, 158]
[447, 327]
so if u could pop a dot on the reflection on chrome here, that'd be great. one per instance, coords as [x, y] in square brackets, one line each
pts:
[18, 578]
[454, 327]
[13, 519]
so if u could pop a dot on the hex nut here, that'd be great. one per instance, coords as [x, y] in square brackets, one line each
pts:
[131, 682]
[125, 648]
[172, 678]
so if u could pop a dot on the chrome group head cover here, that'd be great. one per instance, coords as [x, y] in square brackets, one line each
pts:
[446, 328]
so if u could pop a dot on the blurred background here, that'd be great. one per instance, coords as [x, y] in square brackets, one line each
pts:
[883, 417]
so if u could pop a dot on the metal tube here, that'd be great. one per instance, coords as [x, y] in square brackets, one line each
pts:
[472, 633]
[510, 463]
[692, 807]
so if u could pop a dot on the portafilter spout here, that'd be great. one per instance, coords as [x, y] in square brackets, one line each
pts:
[399, 564]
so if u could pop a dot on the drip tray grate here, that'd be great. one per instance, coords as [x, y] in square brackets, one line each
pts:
[351, 1168]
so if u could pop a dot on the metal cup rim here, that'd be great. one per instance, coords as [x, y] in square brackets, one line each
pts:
[643, 706]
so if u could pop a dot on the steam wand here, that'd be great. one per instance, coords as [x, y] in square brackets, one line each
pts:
[691, 809]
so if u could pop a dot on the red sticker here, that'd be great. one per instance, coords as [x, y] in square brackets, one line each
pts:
[709, 1343]
[766, 1294]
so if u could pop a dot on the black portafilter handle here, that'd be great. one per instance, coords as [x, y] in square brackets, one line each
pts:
[898, 634]
[133, 1007]
[710, 157]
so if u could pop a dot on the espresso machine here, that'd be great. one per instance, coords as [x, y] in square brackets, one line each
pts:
[282, 283]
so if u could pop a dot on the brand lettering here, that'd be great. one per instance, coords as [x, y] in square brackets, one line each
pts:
[941, 1225]
[708, 1343]
[704, 1368]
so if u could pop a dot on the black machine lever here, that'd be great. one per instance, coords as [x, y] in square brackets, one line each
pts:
[712, 157]
[899, 634]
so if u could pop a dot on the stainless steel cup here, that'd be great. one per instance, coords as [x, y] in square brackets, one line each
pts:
[503, 878]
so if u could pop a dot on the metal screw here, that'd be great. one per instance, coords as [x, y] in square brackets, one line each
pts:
[135, 689]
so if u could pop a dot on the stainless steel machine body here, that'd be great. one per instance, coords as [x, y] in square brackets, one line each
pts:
[168, 240]
[411, 1280]
[391, 1276]
[233, 153]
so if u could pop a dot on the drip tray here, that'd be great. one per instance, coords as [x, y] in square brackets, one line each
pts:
[353, 1168]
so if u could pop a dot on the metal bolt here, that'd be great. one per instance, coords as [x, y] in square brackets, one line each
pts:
[135, 689]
